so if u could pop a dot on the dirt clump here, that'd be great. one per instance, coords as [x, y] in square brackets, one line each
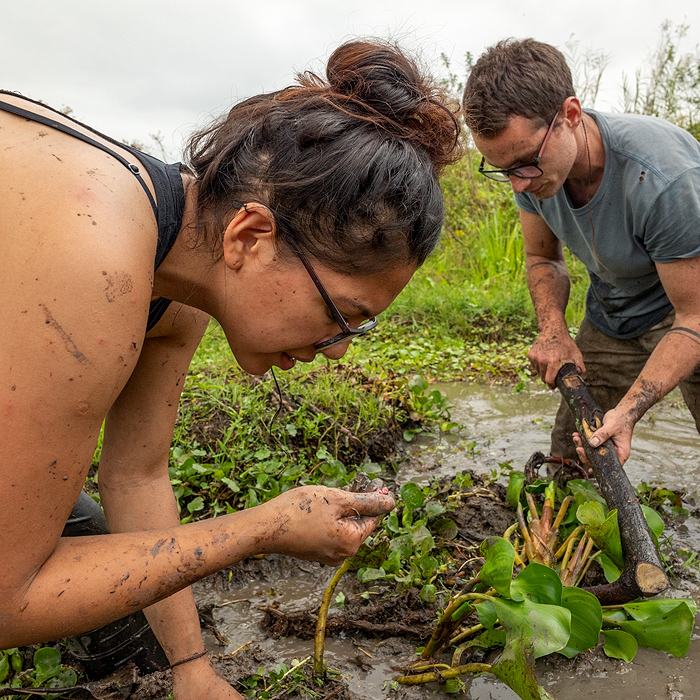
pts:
[391, 615]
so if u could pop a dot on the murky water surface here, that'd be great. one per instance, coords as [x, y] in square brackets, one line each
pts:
[500, 426]
[503, 426]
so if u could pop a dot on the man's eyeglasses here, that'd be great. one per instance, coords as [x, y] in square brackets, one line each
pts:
[528, 171]
[346, 332]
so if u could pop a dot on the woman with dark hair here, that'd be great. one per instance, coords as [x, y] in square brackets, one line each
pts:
[299, 218]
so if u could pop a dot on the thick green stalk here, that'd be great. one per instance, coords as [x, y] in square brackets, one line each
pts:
[320, 639]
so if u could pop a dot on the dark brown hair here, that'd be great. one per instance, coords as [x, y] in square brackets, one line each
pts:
[348, 165]
[515, 77]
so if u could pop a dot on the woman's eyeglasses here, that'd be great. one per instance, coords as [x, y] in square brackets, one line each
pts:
[346, 332]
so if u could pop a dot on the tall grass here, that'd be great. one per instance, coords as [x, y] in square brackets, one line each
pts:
[476, 277]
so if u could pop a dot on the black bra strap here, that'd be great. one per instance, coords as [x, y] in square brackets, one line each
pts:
[134, 169]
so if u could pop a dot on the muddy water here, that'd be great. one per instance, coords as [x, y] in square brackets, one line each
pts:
[503, 426]
[500, 426]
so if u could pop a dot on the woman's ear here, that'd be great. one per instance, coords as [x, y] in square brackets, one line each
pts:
[252, 227]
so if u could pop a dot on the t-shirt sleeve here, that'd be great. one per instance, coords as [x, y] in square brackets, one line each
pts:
[672, 229]
[525, 202]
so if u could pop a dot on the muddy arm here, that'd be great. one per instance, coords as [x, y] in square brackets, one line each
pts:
[643, 574]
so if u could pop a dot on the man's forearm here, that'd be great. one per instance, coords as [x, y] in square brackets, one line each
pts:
[675, 357]
[548, 284]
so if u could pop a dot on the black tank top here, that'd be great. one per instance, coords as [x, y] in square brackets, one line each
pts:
[169, 203]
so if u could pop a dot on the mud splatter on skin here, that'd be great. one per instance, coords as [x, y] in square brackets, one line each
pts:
[648, 394]
[167, 546]
[65, 337]
[305, 505]
[121, 582]
[118, 284]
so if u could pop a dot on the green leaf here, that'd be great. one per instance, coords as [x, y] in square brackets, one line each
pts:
[538, 583]
[497, 570]
[657, 608]
[486, 611]
[488, 639]
[16, 660]
[392, 522]
[670, 632]
[516, 668]
[654, 521]
[372, 553]
[65, 678]
[546, 627]
[584, 491]
[433, 508]
[602, 529]
[428, 565]
[586, 620]
[412, 495]
[620, 645]
[445, 527]
[611, 571]
[428, 593]
[372, 575]
[195, 504]
[613, 617]
[4, 666]
[516, 481]
[47, 662]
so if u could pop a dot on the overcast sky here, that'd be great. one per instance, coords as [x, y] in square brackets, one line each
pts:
[131, 68]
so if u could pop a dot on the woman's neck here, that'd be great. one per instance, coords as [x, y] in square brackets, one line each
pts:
[190, 273]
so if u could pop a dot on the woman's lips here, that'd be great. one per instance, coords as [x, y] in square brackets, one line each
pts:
[287, 361]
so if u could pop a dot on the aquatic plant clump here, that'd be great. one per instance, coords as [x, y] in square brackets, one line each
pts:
[525, 600]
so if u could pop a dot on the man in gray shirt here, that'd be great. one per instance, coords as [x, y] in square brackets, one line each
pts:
[622, 192]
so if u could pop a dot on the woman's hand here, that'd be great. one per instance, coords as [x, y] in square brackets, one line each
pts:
[199, 680]
[322, 524]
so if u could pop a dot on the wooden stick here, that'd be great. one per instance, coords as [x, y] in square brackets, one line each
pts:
[643, 574]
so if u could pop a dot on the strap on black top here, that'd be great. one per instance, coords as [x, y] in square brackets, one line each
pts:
[134, 169]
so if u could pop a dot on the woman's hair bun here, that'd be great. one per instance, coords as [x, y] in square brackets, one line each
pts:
[376, 81]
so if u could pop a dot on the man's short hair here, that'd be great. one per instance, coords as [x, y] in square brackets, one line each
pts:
[515, 77]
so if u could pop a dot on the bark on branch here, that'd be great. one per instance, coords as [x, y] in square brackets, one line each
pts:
[643, 574]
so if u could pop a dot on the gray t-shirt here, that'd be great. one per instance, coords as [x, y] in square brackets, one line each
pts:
[646, 210]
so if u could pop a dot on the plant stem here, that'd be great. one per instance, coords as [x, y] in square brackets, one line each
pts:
[441, 676]
[320, 638]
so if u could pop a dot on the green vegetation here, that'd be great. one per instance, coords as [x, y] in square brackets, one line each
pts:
[466, 315]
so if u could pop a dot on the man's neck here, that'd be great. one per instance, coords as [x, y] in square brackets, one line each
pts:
[587, 172]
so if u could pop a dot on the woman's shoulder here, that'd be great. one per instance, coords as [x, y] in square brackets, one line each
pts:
[78, 237]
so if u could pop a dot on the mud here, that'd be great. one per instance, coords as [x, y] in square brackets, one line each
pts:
[262, 611]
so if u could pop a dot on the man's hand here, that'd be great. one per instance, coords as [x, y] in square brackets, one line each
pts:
[618, 427]
[549, 352]
[322, 524]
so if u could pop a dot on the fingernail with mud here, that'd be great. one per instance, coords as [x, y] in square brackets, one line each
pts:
[595, 442]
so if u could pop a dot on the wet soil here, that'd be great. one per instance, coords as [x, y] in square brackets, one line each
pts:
[263, 611]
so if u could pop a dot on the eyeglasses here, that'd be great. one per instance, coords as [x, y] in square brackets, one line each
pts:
[346, 332]
[527, 171]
